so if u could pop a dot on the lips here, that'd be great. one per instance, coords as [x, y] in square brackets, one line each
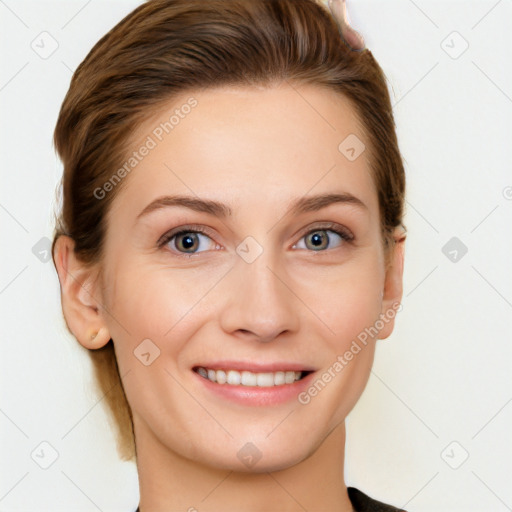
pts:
[253, 384]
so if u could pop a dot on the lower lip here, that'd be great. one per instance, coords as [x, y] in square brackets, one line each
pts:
[256, 395]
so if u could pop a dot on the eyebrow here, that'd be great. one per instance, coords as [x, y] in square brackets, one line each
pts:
[302, 205]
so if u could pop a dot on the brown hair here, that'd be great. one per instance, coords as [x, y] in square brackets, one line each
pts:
[166, 47]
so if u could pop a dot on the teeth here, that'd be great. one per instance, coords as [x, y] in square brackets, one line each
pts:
[249, 379]
[279, 378]
[265, 380]
[245, 378]
[234, 378]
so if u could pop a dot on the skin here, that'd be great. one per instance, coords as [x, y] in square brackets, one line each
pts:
[257, 150]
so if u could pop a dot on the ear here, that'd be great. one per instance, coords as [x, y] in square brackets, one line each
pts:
[80, 296]
[393, 284]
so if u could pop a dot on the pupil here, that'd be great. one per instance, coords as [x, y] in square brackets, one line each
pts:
[317, 239]
[188, 241]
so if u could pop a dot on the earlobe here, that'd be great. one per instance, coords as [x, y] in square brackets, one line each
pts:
[393, 285]
[80, 295]
[96, 339]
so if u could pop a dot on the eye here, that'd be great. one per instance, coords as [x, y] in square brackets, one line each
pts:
[322, 238]
[188, 241]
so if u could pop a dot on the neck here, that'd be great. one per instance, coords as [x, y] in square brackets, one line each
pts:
[168, 481]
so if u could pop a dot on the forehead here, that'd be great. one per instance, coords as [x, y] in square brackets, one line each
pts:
[249, 146]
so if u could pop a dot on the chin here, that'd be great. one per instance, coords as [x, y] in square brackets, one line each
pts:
[257, 456]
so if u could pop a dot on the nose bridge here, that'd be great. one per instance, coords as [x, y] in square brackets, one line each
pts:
[259, 301]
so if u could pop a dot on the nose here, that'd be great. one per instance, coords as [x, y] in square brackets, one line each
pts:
[259, 304]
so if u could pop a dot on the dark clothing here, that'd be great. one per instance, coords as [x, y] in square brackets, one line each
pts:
[363, 503]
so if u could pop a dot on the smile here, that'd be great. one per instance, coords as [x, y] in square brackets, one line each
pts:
[247, 378]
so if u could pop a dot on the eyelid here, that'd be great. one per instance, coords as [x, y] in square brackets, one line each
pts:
[327, 225]
[166, 237]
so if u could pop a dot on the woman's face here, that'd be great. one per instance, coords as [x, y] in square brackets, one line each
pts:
[285, 277]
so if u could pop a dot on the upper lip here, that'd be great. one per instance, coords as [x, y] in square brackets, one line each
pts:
[255, 367]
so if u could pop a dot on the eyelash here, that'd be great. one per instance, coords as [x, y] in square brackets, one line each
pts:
[343, 233]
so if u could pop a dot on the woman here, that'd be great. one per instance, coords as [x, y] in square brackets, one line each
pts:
[230, 247]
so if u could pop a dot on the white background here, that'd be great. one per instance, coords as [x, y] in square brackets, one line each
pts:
[442, 380]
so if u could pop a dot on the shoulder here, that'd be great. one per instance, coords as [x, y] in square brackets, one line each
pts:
[363, 503]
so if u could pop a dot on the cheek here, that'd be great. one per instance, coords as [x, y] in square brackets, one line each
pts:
[347, 300]
[357, 307]
[156, 304]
